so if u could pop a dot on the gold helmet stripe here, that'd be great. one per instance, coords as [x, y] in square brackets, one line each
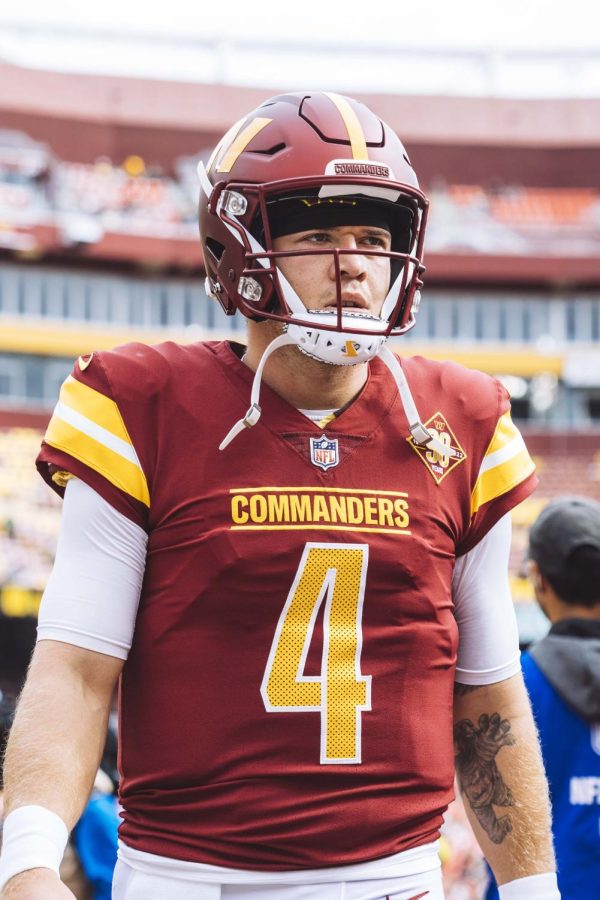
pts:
[240, 143]
[224, 142]
[353, 126]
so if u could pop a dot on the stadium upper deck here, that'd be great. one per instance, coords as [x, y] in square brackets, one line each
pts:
[514, 183]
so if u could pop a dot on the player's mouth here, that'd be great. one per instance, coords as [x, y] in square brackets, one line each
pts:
[350, 303]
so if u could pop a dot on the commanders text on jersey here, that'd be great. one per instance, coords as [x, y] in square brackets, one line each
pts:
[286, 507]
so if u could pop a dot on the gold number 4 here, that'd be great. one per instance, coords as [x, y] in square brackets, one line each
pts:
[333, 574]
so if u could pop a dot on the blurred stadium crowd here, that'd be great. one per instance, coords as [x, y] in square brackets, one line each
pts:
[82, 200]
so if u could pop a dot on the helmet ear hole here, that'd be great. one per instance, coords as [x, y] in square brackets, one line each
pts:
[215, 249]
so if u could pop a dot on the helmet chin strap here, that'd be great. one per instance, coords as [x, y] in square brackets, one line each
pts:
[253, 414]
[420, 434]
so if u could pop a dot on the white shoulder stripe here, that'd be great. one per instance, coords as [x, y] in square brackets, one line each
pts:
[96, 432]
[514, 447]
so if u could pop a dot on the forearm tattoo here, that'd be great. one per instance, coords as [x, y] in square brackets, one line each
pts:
[460, 690]
[478, 775]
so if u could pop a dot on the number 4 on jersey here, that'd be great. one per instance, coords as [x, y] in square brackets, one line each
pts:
[333, 574]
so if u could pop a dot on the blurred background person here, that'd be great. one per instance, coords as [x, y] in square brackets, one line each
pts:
[562, 674]
[95, 835]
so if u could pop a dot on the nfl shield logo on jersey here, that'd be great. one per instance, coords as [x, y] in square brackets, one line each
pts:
[324, 452]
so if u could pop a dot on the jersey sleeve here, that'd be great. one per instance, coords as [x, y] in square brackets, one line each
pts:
[92, 436]
[505, 477]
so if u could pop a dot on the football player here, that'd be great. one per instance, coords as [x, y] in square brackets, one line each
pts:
[293, 556]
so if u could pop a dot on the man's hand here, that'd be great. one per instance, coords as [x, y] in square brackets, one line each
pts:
[36, 884]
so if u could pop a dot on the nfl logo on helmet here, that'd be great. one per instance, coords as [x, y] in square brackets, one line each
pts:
[324, 452]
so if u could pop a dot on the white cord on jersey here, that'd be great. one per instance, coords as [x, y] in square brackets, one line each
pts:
[93, 593]
[253, 414]
[420, 434]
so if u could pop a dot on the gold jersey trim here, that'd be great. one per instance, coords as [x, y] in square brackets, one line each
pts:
[88, 426]
[62, 478]
[321, 490]
[506, 463]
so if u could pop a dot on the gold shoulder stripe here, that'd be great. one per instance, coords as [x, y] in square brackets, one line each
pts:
[93, 405]
[505, 432]
[506, 463]
[88, 426]
[240, 143]
[353, 126]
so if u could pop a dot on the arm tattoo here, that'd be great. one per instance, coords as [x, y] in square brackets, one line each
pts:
[460, 690]
[478, 773]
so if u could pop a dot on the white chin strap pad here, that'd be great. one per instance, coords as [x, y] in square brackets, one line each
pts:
[336, 348]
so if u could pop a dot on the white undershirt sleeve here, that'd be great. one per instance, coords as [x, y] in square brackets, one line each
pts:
[92, 595]
[487, 625]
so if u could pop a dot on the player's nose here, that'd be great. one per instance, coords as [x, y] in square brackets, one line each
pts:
[352, 264]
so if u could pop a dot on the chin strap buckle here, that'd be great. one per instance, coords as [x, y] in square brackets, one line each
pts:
[420, 433]
[252, 416]
[250, 419]
[424, 438]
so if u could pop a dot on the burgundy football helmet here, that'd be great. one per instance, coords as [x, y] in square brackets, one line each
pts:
[324, 149]
[331, 155]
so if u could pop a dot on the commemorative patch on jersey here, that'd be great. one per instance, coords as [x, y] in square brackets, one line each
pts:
[438, 463]
[324, 452]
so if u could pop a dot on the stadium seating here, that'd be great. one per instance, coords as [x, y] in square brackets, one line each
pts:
[29, 522]
[129, 198]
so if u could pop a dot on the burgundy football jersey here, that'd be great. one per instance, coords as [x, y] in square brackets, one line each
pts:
[287, 701]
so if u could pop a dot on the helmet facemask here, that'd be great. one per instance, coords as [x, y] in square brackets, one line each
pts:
[258, 214]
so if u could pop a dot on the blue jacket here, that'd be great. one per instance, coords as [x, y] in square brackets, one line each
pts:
[95, 839]
[562, 675]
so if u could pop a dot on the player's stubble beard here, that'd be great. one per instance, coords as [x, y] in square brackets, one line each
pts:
[313, 384]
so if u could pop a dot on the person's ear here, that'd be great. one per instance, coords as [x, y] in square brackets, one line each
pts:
[535, 576]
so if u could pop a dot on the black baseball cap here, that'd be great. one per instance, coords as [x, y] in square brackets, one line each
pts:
[565, 543]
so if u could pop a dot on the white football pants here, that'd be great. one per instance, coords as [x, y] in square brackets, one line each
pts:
[131, 884]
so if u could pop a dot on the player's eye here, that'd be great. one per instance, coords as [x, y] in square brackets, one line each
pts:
[376, 240]
[317, 237]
